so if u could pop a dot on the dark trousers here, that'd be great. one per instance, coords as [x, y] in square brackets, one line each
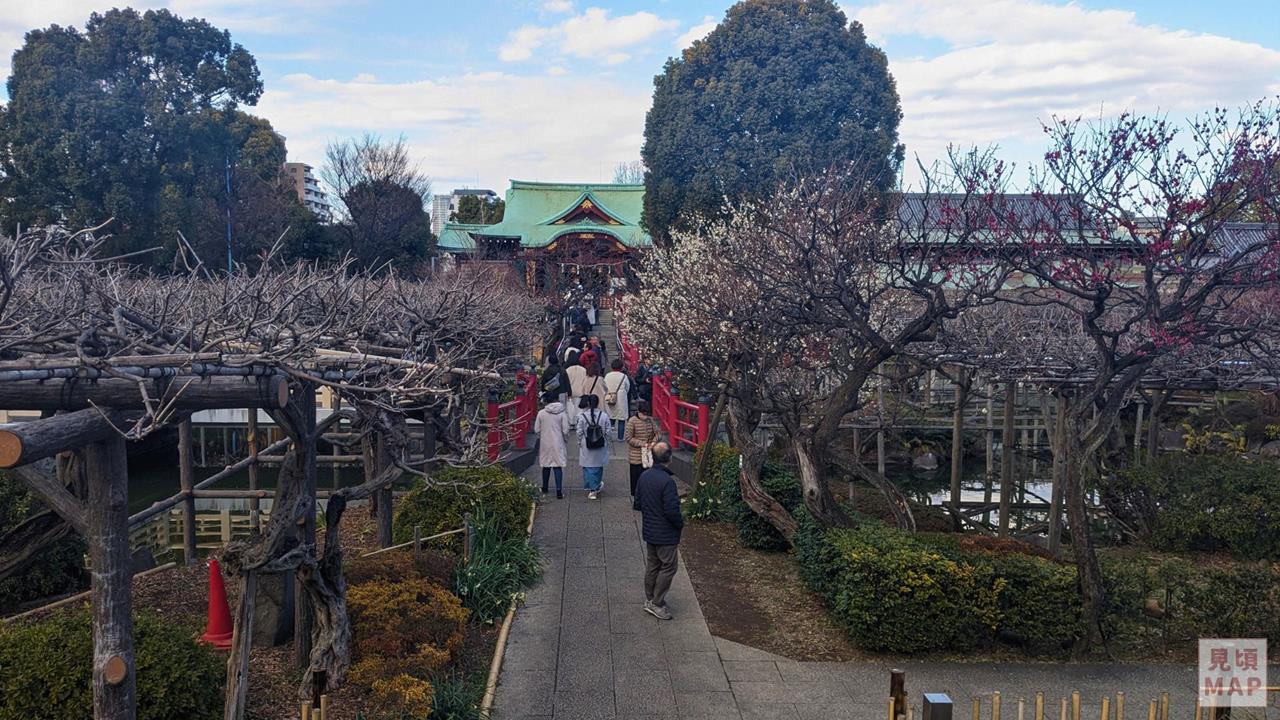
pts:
[636, 469]
[546, 473]
[660, 562]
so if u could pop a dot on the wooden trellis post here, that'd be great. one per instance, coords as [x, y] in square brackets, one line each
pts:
[186, 478]
[1059, 467]
[957, 444]
[106, 466]
[1006, 455]
[255, 509]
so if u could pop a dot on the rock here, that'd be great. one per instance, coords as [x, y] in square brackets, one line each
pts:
[1271, 449]
[925, 461]
[273, 613]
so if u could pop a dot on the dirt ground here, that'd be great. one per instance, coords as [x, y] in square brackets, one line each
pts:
[757, 598]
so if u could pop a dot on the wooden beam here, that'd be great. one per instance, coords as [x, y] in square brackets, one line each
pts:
[183, 392]
[106, 466]
[44, 482]
[25, 443]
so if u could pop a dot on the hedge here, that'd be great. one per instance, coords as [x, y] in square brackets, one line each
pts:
[454, 492]
[46, 670]
[1204, 503]
[899, 592]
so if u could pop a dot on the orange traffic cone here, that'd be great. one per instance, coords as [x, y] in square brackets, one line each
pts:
[218, 632]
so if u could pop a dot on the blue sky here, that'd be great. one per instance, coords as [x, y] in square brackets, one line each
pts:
[489, 90]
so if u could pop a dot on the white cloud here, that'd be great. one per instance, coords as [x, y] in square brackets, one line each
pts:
[558, 6]
[481, 126]
[1011, 64]
[590, 35]
[279, 17]
[697, 32]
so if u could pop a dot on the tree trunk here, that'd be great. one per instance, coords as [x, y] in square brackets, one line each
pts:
[752, 456]
[817, 492]
[105, 465]
[704, 453]
[236, 698]
[1088, 570]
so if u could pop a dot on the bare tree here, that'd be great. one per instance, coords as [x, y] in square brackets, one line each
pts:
[1134, 272]
[629, 173]
[382, 195]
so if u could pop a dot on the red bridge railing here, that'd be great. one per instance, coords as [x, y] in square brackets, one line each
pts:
[684, 423]
[512, 420]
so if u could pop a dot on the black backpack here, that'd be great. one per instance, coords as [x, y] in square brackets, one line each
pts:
[595, 431]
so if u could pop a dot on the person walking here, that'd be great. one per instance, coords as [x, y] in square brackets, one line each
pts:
[593, 444]
[661, 522]
[576, 374]
[617, 397]
[640, 434]
[593, 384]
[552, 428]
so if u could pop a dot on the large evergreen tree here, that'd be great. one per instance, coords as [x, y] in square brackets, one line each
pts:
[135, 118]
[779, 88]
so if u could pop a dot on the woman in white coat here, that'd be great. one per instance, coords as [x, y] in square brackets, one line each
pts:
[617, 387]
[552, 427]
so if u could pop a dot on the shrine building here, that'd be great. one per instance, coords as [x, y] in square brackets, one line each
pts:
[559, 235]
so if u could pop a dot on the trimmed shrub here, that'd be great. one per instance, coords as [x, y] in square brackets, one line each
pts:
[891, 592]
[1204, 502]
[501, 567]
[452, 493]
[403, 631]
[46, 670]
[907, 593]
[396, 566]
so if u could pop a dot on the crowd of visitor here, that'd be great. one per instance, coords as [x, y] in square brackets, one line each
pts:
[600, 409]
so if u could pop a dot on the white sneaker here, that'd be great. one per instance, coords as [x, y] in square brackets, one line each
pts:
[592, 495]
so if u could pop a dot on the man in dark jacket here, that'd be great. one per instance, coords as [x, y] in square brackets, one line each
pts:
[661, 523]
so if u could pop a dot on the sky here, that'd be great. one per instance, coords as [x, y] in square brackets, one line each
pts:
[485, 91]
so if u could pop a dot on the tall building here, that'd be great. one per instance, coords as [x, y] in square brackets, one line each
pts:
[308, 189]
[443, 206]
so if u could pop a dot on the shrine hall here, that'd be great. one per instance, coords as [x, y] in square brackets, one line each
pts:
[559, 236]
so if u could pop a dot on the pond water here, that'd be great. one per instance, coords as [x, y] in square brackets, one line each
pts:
[154, 477]
[933, 487]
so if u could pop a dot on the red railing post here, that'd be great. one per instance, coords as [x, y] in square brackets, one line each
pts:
[495, 432]
[673, 413]
[522, 408]
[704, 422]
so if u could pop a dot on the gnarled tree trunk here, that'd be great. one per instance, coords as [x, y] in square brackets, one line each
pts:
[742, 424]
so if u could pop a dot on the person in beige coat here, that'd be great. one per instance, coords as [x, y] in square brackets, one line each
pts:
[641, 432]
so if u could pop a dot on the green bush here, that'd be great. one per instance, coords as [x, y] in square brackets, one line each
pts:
[893, 592]
[46, 670]
[59, 567]
[907, 593]
[1204, 502]
[441, 503]
[501, 567]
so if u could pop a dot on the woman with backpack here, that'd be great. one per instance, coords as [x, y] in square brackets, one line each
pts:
[552, 428]
[592, 383]
[593, 444]
[642, 434]
[617, 396]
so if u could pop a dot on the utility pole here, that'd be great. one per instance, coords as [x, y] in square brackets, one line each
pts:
[229, 261]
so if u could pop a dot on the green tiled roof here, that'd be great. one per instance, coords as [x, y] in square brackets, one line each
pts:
[534, 209]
